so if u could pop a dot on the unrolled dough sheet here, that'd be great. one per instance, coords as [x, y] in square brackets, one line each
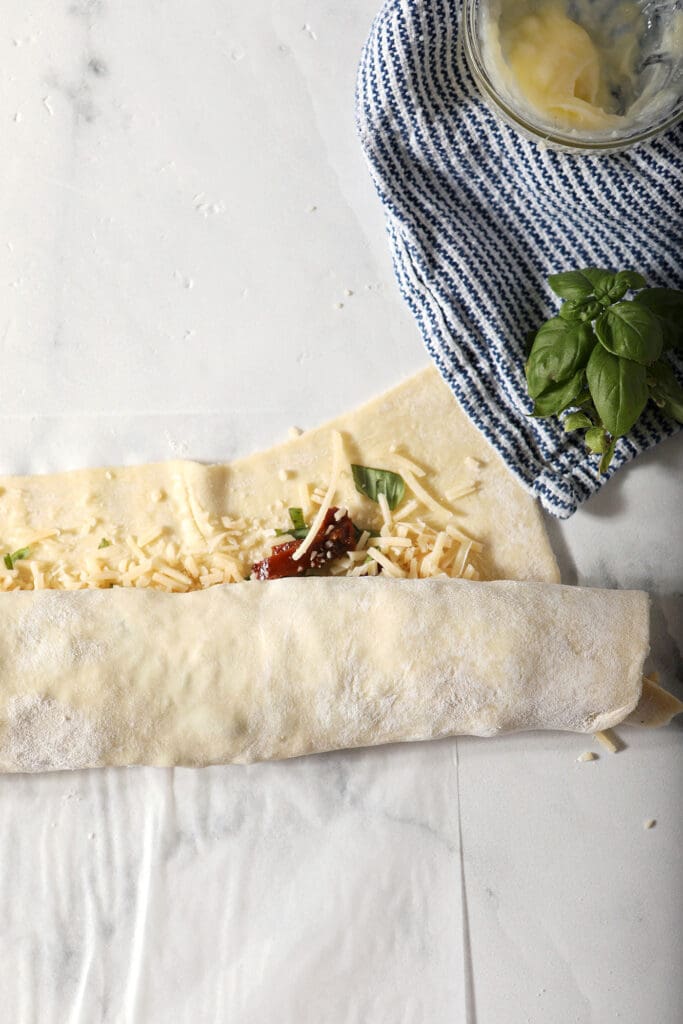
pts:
[181, 499]
[260, 671]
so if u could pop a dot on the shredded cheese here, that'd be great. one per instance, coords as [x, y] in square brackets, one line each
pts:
[391, 568]
[384, 508]
[406, 510]
[408, 466]
[421, 538]
[609, 741]
[337, 452]
[392, 542]
[422, 495]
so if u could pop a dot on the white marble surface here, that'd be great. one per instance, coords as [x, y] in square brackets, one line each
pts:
[183, 213]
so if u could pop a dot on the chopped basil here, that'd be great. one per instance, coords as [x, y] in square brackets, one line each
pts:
[104, 543]
[297, 534]
[373, 482]
[299, 529]
[297, 517]
[16, 556]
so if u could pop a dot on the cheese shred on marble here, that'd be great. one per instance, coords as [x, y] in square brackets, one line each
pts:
[609, 741]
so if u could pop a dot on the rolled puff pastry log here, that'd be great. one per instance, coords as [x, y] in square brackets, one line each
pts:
[255, 671]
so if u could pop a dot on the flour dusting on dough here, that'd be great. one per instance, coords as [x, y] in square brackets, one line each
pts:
[42, 649]
[43, 734]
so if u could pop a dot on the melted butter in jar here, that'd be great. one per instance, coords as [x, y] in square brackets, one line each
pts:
[578, 65]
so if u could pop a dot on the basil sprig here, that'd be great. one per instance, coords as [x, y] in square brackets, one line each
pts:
[603, 357]
[373, 482]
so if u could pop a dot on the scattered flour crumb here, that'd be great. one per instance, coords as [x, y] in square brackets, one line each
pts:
[44, 734]
[179, 448]
[588, 755]
[294, 432]
[650, 823]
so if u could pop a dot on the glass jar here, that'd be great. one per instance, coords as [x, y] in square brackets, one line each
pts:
[638, 45]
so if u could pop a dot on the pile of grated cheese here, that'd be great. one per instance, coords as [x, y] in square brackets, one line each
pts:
[408, 545]
[132, 561]
[419, 539]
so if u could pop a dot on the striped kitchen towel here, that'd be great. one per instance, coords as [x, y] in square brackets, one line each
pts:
[478, 217]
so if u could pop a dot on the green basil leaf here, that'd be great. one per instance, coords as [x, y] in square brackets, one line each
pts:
[561, 348]
[609, 290]
[577, 421]
[632, 278]
[613, 287]
[296, 534]
[597, 276]
[673, 407]
[104, 543]
[580, 309]
[297, 517]
[667, 304]
[558, 397]
[576, 284]
[618, 389]
[372, 482]
[662, 375]
[630, 330]
[597, 440]
[607, 457]
[665, 389]
[571, 309]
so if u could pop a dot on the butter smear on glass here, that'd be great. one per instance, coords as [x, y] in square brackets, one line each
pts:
[584, 67]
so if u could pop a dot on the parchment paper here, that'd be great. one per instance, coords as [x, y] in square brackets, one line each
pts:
[184, 208]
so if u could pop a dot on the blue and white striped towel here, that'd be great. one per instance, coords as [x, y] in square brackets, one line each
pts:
[478, 217]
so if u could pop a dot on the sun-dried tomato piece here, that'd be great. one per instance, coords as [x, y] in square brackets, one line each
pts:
[334, 538]
[279, 563]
